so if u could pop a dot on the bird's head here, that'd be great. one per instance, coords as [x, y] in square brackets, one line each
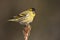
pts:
[32, 9]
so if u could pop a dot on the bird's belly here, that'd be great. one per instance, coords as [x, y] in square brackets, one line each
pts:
[27, 20]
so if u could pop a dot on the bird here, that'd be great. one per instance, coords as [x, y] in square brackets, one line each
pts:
[25, 17]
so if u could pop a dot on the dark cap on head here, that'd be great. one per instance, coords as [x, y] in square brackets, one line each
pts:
[33, 9]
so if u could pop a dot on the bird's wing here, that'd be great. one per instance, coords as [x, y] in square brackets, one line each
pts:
[22, 14]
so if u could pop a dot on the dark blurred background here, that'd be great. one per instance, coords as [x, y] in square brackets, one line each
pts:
[46, 25]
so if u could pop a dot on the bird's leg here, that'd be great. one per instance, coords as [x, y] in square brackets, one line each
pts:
[26, 32]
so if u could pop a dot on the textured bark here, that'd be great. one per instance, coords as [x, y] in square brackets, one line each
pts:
[26, 32]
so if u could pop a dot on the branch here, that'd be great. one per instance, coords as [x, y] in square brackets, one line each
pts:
[26, 32]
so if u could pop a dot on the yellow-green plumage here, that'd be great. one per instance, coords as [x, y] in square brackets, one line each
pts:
[25, 17]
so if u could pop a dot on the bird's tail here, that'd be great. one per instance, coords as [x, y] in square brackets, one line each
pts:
[13, 20]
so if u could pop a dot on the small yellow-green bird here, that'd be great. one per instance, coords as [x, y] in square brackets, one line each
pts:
[25, 17]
